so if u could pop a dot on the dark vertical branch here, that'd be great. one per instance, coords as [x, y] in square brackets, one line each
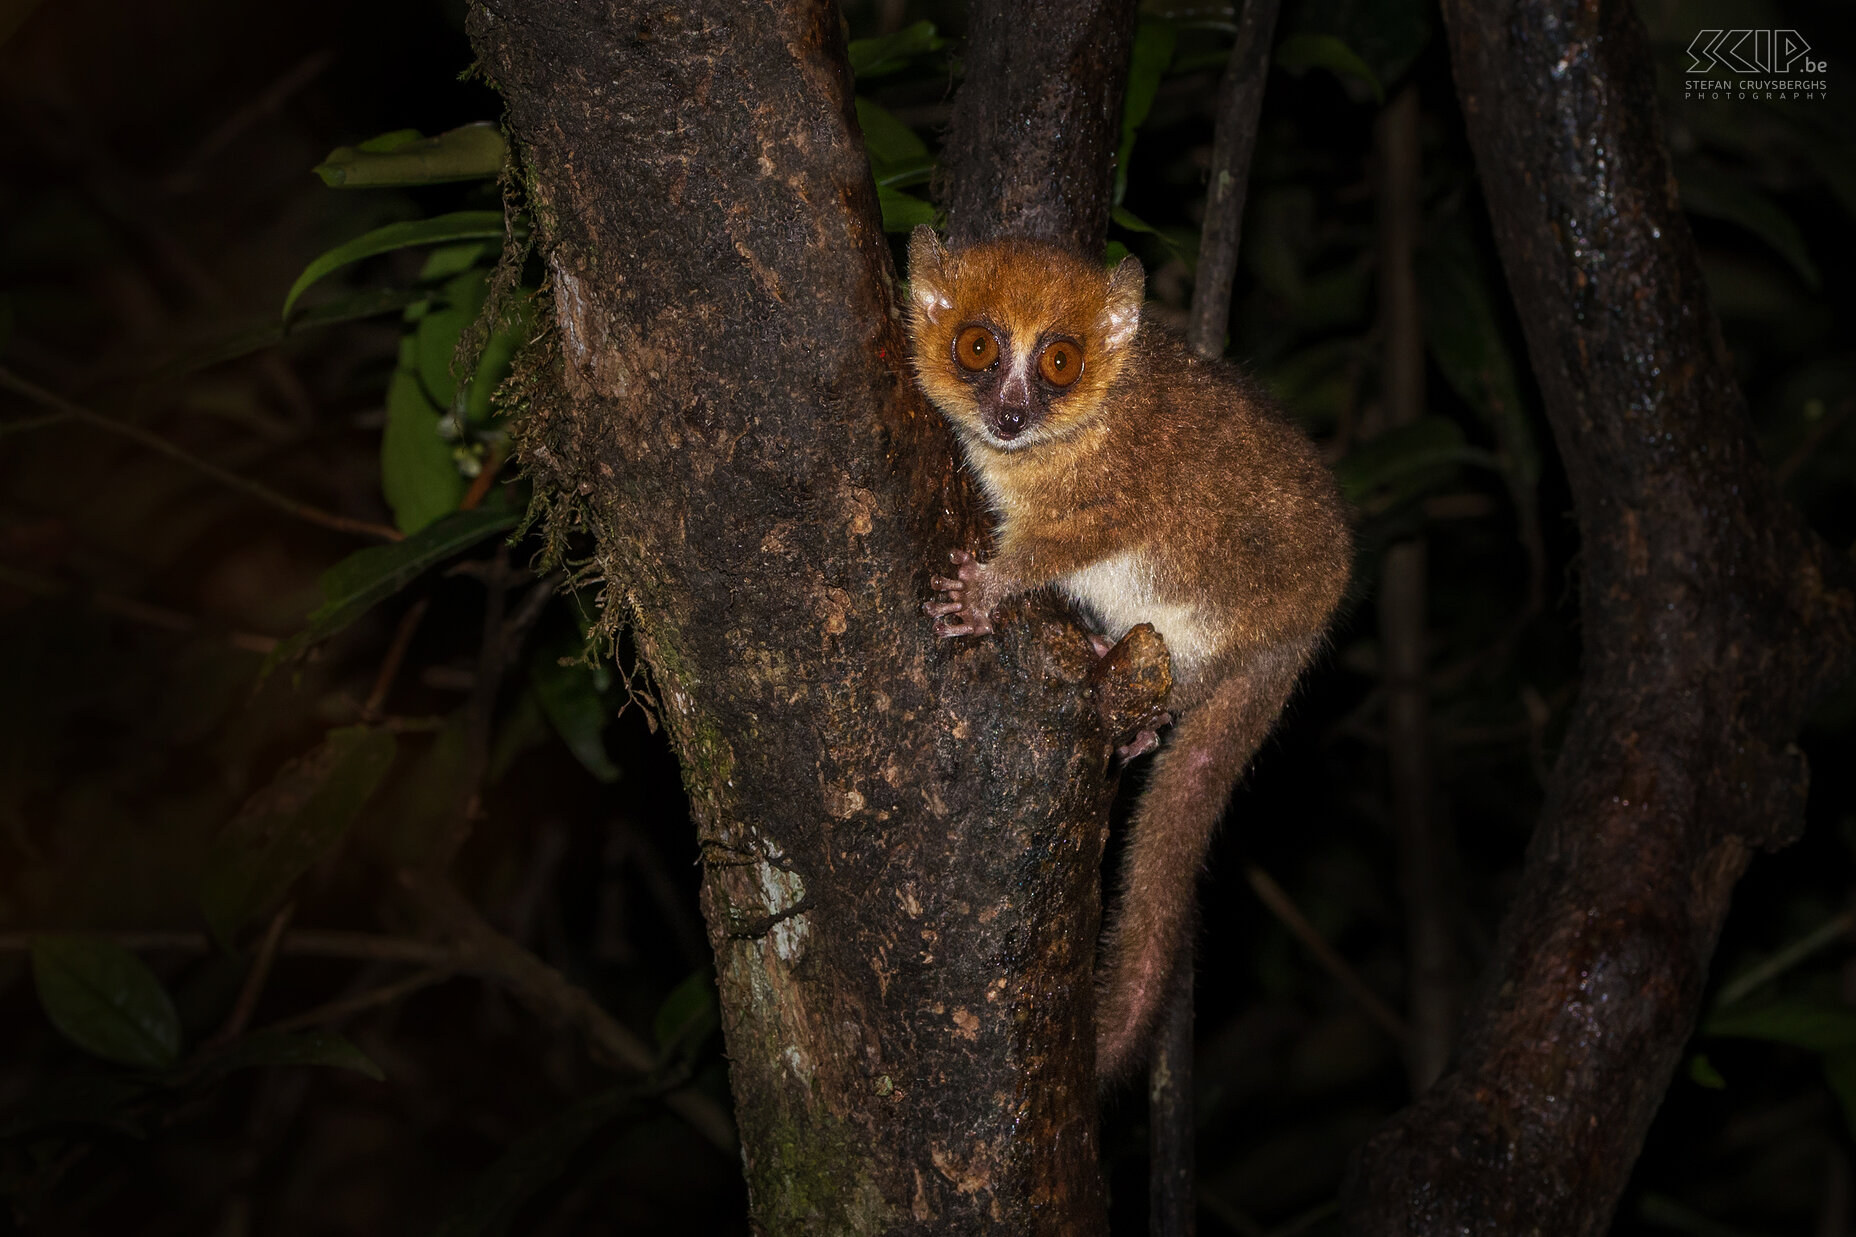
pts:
[1431, 1000]
[1172, 1172]
[1172, 1125]
[1031, 144]
[1711, 619]
[1240, 103]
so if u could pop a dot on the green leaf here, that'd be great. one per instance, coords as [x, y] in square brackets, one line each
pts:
[267, 1048]
[435, 338]
[470, 152]
[1123, 217]
[1154, 40]
[688, 1016]
[391, 141]
[890, 52]
[288, 825]
[1302, 52]
[417, 473]
[491, 1202]
[366, 578]
[1127, 219]
[105, 1000]
[435, 345]
[498, 359]
[1702, 1073]
[1732, 199]
[897, 155]
[902, 212]
[1802, 1024]
[564, 686]
[268, 334]
[1400, 462]
[449, 260]
[460, 225]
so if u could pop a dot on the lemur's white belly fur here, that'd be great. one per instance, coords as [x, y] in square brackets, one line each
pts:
[1120, 592]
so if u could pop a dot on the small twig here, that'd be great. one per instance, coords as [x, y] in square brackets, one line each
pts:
[251, 113]
[1273, 896]
[142, 612]
[502, 641]
[25, 424]
[515, 630]
[301, 943]
[255, 978]
[485, 478]
[1815, 438]
[361, 1002]
[154, 442]
[396, 654]
[1748, 982]
[488, 954]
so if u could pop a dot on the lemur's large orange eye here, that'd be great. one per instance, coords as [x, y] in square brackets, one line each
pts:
[976, 348]
[1060, 362]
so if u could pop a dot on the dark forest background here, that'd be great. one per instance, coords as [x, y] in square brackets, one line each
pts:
[219, 1011]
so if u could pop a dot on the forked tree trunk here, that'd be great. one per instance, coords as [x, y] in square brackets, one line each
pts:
[1710, 618]
[900, 838]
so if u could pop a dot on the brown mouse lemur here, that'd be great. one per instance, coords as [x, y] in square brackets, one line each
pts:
[1148, 485]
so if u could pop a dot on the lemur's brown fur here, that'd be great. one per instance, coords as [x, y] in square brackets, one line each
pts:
[1150, 486]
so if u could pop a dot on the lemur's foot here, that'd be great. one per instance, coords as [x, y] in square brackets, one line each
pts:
[1144, 741]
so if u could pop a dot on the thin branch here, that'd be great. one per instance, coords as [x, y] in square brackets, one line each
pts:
[1240, 102]
[26, 424]
[487, 953]
[185, 177]
[1277, 900]
[361, 1002]
[154, 442]
[255, 978]
[148, 615]
[476, 949]
[300, 942]
[485, 478]
[1431, 997]
[1750, 981]
[395, 655]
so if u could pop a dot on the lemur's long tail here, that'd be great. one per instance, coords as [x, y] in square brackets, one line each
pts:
[1172, 828]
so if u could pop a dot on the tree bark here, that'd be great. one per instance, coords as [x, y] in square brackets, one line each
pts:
[901, 837]
[1030, 147]
[1710, 616]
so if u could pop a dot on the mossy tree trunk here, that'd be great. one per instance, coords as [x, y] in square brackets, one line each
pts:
[900, 837]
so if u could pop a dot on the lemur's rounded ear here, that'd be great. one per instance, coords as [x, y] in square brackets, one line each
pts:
[1121, 314]
[928, 271]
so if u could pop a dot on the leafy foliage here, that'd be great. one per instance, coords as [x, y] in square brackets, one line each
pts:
[105, 1000]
